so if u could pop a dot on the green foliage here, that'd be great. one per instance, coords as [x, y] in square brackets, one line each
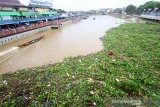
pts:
[60, 11]
[131, 9]
[150, 4]
[92, 12]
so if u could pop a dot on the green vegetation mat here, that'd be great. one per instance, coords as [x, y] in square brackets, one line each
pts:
[128, 66]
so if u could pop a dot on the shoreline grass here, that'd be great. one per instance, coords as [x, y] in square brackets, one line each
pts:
[128, 66]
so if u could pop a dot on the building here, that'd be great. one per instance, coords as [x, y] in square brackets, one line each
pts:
[105, 11]
[151, 13]
[29, 16]
[117, 11]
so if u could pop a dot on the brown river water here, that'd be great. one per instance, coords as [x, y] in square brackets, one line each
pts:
[80, 37]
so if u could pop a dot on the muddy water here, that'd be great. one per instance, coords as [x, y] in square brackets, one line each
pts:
[79, 37]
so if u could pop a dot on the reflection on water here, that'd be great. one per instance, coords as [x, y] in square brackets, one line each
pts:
[74, 38]
[130, 18]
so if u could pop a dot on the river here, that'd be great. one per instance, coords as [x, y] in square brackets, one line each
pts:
[79, 37]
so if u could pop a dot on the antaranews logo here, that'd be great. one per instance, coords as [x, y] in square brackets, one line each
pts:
[131, 102]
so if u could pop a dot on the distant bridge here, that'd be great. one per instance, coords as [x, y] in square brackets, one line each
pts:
[152, 14]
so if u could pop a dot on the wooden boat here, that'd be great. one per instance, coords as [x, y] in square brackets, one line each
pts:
[32, 41]
[56, 26]
[85, 17]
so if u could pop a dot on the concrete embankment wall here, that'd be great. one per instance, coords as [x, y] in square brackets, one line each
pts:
[22, 35]
[150, 17]
[27, 33]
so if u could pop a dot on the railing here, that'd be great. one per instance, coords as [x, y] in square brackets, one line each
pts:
[9, 32]
[150, 17]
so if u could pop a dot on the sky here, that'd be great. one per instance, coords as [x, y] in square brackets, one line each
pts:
[85, 5]
[74, 5]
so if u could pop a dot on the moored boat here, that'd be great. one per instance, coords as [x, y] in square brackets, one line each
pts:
[56, 26]
[85, 17]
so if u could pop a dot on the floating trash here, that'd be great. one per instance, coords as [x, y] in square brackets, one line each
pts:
[68, 85]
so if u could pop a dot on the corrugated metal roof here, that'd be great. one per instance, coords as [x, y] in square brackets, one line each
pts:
[5, 22]
[9, 13]
[10, 3]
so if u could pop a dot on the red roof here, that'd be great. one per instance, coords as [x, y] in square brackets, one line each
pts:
[10, 3]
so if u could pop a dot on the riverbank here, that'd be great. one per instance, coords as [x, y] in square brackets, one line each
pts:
[128, 66]
[130, 18]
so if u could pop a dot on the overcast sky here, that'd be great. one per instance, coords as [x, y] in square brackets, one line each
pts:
[73, 5]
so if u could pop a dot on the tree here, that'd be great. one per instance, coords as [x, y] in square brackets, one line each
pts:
[117, 11]
[139, 10]
[92, 12]
[60, 11]
[150, 4]
[131, 9]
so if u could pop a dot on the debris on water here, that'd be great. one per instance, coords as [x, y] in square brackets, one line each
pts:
[92, 92]
[90, 67]
[76, 82]
[101, 38]
[67, 74]
[94, 103]
[93, 73]
[123, 58]
[80, 61]
[32, 97]
[48, 102]
[49, 85]
[114, 60]
[145, 98]
[25, 97]
[67, 86]
[90, 80]
[102, 82]
[73, 76]
[111, 53]
[158, 86]
[117, 80]
[5, 82]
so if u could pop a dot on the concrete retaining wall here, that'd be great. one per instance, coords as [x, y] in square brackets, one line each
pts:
[22, 35]
[150, 17]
